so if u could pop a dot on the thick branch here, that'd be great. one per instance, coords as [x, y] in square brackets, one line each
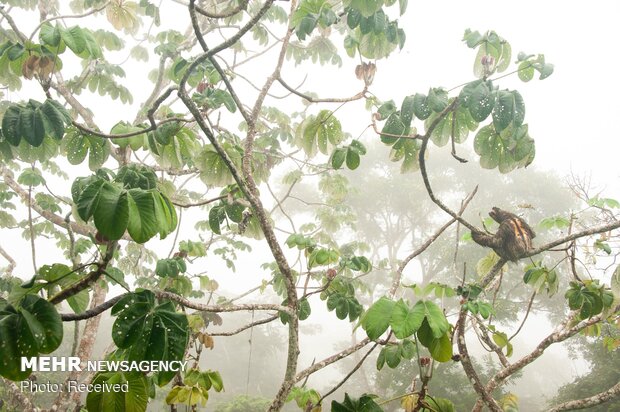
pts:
[222, 308]
[592, 231]
[87, 280]
[62, 89]
[421, 159]
[468, 367]
[558, 336]
[66, 317]
[594, 400]
[267, 227]
[92, 312]
[15, 392]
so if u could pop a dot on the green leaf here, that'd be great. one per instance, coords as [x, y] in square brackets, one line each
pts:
[50, 35]
[77, 145]
[142, 222]
[217, 215]
[509, 108]
[364, 404]
[437, 99]
[31, 124]
[439, 404]
[377, 318]
[393, 128]
[546, 71]
[11, 126]
[421, 107]
[54, 118]
[433, 315]
[407, 111]
[386, 109]
[135, 142]
[304, 309]
[481, 102]
[112, 214]
[26, 330]
[405, 321]
[122, 15]
[473, 39]
[87, 196]
[392, 355]
[136, 176]
[441, 348]
[134, 400]
[366, 7]
[151, 332]
[526, 71]
[353, 159]
[402, 6]
[31, 177]
[321, 131]
[338, 157]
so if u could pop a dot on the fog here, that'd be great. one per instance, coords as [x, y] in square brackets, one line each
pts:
[571, 116]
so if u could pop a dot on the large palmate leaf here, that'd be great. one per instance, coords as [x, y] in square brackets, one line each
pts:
[33, 121]
[78, 145]
[134, 400]
[130, 202]
[27, 329]
[319, 132]
[377, 319]
[150, 331]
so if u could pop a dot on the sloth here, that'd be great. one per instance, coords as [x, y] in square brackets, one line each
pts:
[512, 240]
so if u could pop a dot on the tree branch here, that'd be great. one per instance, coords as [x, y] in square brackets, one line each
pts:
[216, 65]
[429, 241]
[348, 375]
[83, 230]
[559, 336]
[12, 264]
[225, 44]
[592, 231]
[87, 280]
[11, 22]
[331, 359]
[594, 400]
[422, 161]
[468, 367]
[325, 100]
[71, 16]
[92, 312]
[66, 317]
[246, 327]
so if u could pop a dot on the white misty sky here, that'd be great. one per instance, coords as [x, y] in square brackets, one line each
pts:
[572, 114]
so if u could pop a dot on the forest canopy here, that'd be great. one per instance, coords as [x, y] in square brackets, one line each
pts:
[223, 185]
